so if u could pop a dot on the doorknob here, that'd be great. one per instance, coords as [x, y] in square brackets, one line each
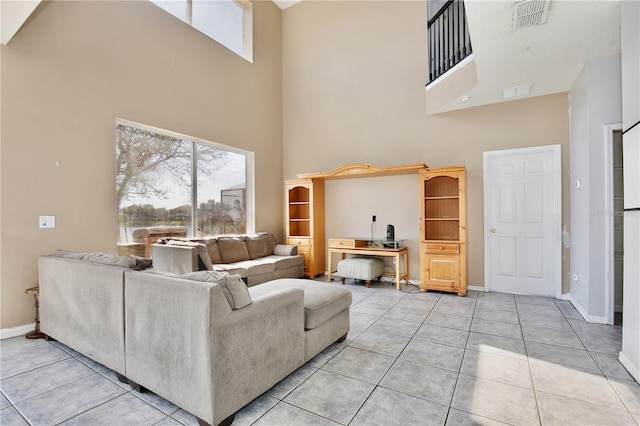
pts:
[494, 230]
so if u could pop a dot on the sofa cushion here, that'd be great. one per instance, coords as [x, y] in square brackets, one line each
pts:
[283, 262]
[260, 245]
[286, 262]
[322, 301]
[234, 289]
[213, 250]
[232, 249]
[231, 269]
[256, 267]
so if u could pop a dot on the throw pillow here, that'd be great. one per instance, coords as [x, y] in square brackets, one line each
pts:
[68, 254]
[285, 250]
[234, 289]
[126, 261]
[239, 291]
[260, 245]
[233, 249]
[142, 263]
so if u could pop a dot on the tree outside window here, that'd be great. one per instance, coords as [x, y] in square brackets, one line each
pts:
[171, 183]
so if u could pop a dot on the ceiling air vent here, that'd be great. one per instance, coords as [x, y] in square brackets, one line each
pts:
[530, 12]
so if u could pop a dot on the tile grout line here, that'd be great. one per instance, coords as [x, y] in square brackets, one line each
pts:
[464, 354]
[533, 383]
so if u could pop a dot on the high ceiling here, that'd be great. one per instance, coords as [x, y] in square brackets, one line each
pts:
[548, 57]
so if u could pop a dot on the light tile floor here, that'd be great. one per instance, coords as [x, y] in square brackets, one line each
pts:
[411, 358]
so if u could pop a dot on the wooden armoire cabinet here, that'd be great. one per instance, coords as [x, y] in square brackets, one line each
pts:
[305, 222]
[443, 229]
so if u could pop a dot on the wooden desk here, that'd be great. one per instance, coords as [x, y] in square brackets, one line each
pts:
[340, 245]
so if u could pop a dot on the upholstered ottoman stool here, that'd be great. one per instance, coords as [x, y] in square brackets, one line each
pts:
[326, 311]
[360, 268]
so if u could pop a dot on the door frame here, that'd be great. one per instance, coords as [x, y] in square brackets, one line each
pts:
[557, 206]
[609, 209]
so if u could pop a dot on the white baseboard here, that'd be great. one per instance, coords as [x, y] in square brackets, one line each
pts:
[588, 318]
[477, 288]
[634, 370]
[565, 296]
[7, 333]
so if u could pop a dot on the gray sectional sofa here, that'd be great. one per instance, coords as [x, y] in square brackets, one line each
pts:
[257, 258]
[203, 340]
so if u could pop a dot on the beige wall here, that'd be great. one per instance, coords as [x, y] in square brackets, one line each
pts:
[70, 71]
[353, 91]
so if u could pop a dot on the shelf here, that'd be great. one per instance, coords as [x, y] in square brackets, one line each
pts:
[299, 228]
[299, 210]
[441, 230]
[298, 203]
[295, 219]
[441, 187]
[442, 207]
[442, 218]
[299, 195]
[444, 197]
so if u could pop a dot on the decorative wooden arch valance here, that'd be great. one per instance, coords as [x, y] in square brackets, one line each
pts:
[364, 170]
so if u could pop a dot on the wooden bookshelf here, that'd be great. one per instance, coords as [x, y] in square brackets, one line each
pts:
[443, 230]
[305, 222]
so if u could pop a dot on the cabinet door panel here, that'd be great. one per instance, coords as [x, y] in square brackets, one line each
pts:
[304, 252]
[443, 271]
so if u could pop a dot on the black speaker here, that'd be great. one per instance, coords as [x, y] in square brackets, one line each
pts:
[391, 234]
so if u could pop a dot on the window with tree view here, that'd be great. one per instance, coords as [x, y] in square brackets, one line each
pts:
[174, 185]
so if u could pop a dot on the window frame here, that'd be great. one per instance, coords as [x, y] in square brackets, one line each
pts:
[249, 171]
[247, 26]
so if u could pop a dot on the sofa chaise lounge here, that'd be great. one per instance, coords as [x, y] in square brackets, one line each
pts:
[203, 340]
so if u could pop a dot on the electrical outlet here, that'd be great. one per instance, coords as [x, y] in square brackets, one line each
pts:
[576, 278]
[47, 222]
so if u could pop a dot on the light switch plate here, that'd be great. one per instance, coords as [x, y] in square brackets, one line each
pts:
[47, 222]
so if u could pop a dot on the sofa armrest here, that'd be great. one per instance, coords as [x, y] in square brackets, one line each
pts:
[184, 342]
[285, 250]
[82, 306]
[175, 259]
[259, 346]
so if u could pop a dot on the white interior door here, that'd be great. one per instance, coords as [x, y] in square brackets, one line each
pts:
[522, 202]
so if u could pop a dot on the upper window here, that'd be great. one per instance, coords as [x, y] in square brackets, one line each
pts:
[229, 22]
[169, 184]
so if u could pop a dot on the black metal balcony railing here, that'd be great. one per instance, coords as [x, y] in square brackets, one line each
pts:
[449, 41]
